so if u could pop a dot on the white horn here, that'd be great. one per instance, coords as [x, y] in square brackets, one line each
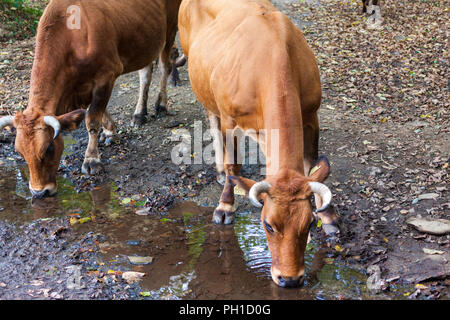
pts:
[324, 193]
[54, 123]
[256, 190]
[6, 121]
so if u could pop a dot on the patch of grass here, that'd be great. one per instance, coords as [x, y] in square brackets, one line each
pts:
[19, 18]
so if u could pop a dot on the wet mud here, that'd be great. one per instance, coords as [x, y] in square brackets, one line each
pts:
[186, 255]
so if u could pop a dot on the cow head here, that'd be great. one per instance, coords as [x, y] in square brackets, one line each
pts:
[287, 216]
[39, 142]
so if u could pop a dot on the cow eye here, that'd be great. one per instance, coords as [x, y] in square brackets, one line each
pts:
[268, 227]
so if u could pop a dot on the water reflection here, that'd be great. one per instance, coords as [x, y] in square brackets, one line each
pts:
[17, 205]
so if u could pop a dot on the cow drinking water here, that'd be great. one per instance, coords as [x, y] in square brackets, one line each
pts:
[81, 48]
[252, 70]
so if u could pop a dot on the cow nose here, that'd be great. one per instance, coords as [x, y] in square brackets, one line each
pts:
[290, 282]
[40, 194]
[48, 191]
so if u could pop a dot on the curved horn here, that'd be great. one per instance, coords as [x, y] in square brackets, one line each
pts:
[324, 193]
[54, 123]
[256, 190]
[6, 121]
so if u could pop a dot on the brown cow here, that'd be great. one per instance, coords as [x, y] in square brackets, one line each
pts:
[81, 48]
[252, 69]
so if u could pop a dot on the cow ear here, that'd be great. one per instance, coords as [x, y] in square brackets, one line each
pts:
[71, 120]
[245, 184]
[320, 170]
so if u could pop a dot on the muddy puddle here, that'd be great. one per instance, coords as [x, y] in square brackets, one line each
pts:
[182, 253]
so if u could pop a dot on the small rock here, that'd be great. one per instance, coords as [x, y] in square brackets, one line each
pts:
[428, 196]
[432, 226]
[56, 295]
[140, 260]
[132, 276]
[432, 251]
[133, 242]
[143, 212]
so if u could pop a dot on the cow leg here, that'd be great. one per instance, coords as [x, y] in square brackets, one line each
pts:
[92, 163]
[109, 129]
[174, 79]
[165, 66]
[145, 78]
[310, 145]
[329, 217]
[176, 62]
[224, 213]
[214, 123]
[310, 141]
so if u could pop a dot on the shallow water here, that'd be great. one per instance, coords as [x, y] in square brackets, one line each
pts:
[192, 257]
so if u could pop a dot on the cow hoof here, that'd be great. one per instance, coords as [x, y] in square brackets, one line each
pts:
[332, 240]
[330, 229]
[332, 232]
[139, 120]
[161, 110]
[174, 81]
[174, 78]
[106, 139]
[223, 217]
[91, 166]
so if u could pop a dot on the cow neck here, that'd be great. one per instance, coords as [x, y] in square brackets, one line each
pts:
[48, 82]
[285, 120]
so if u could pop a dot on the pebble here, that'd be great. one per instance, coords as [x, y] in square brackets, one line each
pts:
[132, 276]
[428, 196]
[432, 251]
[431, 226]
[133, 242]
[143, 212]
[140, 260]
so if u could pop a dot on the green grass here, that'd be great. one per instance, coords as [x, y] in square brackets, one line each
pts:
[19, 18]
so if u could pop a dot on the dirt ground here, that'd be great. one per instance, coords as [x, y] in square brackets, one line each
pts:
[384, 127]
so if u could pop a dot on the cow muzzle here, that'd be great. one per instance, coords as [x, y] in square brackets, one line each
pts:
[287, 281]
[48, 191]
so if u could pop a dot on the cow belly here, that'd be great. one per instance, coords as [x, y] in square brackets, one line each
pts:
[200, 83]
